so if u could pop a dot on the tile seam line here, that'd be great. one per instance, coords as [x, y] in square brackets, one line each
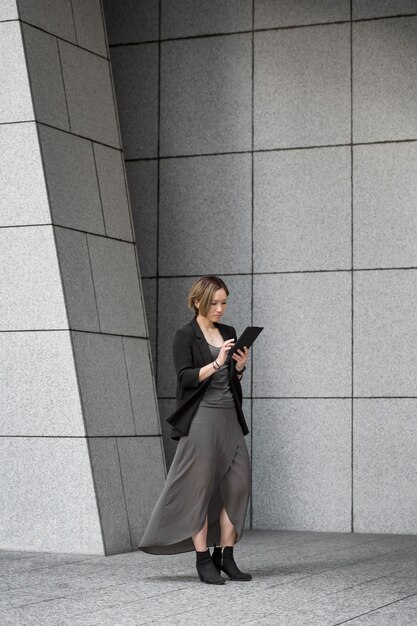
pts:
[348, 144]
[77, 230]
[284, 272]
[252, 244]
[83, 437]
[263, 30]
[383, 606]
[72, 330]
[76, 45]
[73, 134]
[352, 354]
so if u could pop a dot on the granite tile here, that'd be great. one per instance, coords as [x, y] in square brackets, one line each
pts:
[72, 180]
[135, 71]
[46, 483]
[104, 386]
[206, 95]
[208, 198]
[385, 334]
[34, 361]
[307, 320]
[117, 286]
[143, 191]
[302, 212]
[385, 219]
[385, 80]
[15, 96]
[302, 464]
[24, 198]
[30, 282]
[276, 13]
[44, 69]
[302, 87]
[89, 92]
[186, 18]
[385, 462]
[113, 192]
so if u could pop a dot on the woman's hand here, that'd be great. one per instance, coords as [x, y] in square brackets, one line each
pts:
[224, 351]
[241, 358]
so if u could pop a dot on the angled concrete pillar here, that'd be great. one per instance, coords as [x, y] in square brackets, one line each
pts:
[81, 459]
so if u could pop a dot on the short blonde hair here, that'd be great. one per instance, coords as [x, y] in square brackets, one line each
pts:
[202, 291]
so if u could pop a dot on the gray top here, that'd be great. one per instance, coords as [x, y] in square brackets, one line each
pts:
[218, 393]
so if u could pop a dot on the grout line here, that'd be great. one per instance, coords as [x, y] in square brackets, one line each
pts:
[266, 150]
[264, 30]
[63, 83]
[252, 240]
[158, 200]
[77, 230]
[68, 41]
[99, 189]
[284, 272]
[124, 492]
[352, 273]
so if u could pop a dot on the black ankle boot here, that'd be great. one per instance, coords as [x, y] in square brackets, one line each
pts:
[224, 561]
[206, 569]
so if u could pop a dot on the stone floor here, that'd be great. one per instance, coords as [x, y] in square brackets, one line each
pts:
[299, 578]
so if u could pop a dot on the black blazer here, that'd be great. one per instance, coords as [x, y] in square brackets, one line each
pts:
[191, 352]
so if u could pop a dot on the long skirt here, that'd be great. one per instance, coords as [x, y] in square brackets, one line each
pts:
[210, 469]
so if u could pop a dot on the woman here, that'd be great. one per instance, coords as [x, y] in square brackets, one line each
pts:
[205, 497]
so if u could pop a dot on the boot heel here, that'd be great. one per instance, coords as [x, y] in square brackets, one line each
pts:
[206, 569]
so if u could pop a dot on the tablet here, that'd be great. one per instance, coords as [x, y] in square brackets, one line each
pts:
[246, 338]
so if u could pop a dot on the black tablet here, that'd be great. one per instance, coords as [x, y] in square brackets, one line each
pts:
[246, 338]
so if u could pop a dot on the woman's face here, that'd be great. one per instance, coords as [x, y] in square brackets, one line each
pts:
[218, 306]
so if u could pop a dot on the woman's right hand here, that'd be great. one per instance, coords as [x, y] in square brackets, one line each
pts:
[224, 351]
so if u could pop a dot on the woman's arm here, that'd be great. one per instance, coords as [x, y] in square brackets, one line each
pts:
[183, 360]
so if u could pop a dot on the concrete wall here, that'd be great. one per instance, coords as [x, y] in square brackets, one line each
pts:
[80, 446]
[273, 143]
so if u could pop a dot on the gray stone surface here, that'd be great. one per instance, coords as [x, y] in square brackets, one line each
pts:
[30, 283]
[47, 496]
[141, 386]
[117, 287]
[45, 74]
[89, 95]
[173, 314]
[302, 213]
[54, 16]
[143, 473]
[206, 95]
[104, 386]
[307, 321]
[185, 18]
[143, 190]
[129, 21]
[108, 481]
[379, 8]
[23, 198]
[77, 279]
[302, 87]
[205, 215]
[385, 333]
[297, 576]
[385, 218]
[15, 96]
[275, 13]
[39, 386]
[149, 286]
[8, 10]
[89, 24]
[385, 80]
[113, 192]
[135, 70]
[302, 464]
[385, 465]
[72, 181]
[166, 407]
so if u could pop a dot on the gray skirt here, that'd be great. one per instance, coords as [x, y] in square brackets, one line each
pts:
[211, 468]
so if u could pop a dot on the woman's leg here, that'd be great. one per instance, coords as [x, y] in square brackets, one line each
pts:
[227, 530]
[200, 538]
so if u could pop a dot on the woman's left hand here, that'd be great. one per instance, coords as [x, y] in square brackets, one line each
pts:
[241, 358]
